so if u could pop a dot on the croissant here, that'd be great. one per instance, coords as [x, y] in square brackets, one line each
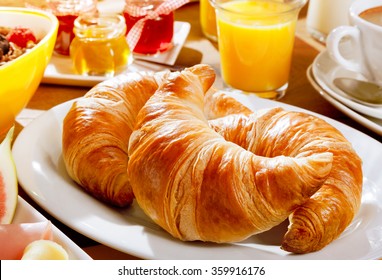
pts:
[277, 132]
[218, 104]
[98, 127]
[197, 185]
[96, 132]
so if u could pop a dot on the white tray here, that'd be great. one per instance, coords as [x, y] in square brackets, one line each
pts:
[60, 70]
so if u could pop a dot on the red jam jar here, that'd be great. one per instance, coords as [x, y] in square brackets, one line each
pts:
[157, 33]
[66, 12]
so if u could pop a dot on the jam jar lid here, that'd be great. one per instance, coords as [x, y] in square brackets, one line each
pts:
[99, 27]
[72, 7]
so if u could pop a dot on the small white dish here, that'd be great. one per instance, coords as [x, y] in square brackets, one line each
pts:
[43, 176]
[369, 122]
[60, 70]
[325, 70]
[181, 31]
[25, 213]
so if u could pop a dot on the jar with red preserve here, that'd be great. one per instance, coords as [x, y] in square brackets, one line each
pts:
[157, 32]
[66, 12]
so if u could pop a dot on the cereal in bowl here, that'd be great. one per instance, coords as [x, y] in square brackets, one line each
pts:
[14, 42]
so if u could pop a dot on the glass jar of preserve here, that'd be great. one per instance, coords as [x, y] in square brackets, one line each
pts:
[99, 46]
[66, 12]
[157, 33]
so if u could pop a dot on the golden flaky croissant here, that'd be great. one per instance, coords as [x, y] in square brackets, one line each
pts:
[197, 185]
[277, 132]
[96, 133]
[98, 127]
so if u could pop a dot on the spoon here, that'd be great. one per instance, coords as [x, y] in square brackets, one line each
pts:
[363, 92]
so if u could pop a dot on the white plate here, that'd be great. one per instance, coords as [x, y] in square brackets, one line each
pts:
[42, 174]
[25, 213]
[60, 70]
[325, 70]
[371, 123]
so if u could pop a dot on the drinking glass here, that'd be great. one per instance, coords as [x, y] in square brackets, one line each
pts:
[256, 39]
[208, 20]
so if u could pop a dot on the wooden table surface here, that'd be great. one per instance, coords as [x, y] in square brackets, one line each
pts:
[197, 49]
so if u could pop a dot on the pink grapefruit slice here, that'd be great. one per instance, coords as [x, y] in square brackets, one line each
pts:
[8, 181]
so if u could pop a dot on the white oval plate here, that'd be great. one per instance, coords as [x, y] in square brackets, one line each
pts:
[37, 154]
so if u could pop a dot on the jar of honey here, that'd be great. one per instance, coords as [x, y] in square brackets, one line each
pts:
[66, 12]
[99, 46]
[157, 32]
[208, 20]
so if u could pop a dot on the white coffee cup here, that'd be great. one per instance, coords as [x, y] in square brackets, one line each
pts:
[365, 39]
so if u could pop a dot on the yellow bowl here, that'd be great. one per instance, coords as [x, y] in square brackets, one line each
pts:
[20, 78]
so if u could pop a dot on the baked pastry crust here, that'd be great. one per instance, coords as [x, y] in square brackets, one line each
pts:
[197, 185]
[96, 132]
[275, 132]
[219, 173]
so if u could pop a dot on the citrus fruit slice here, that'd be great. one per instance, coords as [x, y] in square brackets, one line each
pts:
[44, 250]
[8, 181]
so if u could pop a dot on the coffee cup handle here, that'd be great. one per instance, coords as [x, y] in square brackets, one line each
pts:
[333, 47]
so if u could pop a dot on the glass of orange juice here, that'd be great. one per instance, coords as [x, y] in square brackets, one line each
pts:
[208, 20]
[256, 39]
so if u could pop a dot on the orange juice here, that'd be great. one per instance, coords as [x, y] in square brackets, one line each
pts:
[256, 42]
[208, 20]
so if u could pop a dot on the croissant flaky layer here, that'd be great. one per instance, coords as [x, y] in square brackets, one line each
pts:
[205, 167]
[96, 133]
[277, 132]
[197, 185]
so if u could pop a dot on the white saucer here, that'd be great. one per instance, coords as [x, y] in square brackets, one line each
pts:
[60, 70]
[371, 123]
[325, 70]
